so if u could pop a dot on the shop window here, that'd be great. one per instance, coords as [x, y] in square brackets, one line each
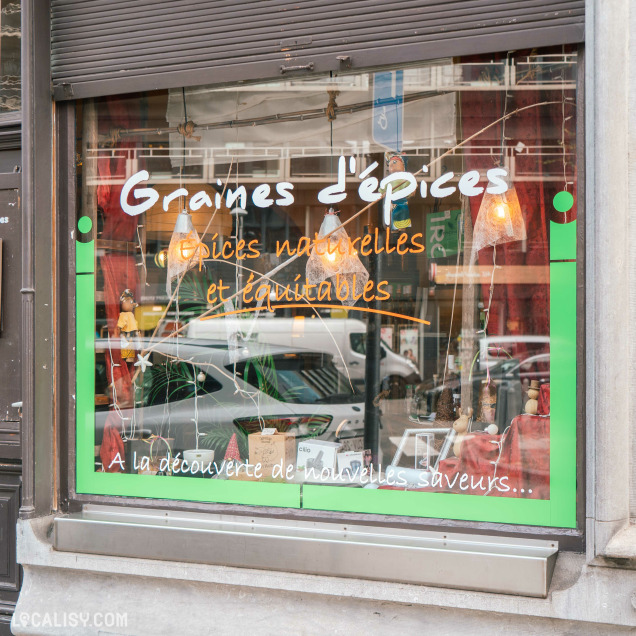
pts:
[352, 293]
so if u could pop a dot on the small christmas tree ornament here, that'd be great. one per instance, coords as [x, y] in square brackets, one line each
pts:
[335, 259]
[445, 412]
[532, 405]
[127, 328]
[232, 451]
[143, 362]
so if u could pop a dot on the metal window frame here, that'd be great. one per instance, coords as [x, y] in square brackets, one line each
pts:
[40, 246]
[70, 501]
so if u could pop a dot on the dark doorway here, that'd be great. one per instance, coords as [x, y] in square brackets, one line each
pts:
[10, 385]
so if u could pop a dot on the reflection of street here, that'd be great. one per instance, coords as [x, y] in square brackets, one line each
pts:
[395, 421]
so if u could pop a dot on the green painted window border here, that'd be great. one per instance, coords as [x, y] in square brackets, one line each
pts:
[558, 511]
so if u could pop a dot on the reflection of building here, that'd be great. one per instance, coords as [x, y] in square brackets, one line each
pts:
[127, 80]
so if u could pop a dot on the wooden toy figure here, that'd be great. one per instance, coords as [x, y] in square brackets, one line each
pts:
[461, 426]
[127, 326]
[532, 404]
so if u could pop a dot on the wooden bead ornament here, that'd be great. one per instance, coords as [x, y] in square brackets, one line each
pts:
[532, 405]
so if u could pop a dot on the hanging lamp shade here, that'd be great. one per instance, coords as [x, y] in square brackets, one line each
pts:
[183, 250]
[335, 259]
[499, 221]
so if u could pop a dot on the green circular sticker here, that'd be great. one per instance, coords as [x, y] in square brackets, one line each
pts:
[563, 201]
[85, 224]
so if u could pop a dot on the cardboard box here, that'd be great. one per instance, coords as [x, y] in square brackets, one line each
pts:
[351, 444]
[351, 463]
[317, 454]
[270, 450]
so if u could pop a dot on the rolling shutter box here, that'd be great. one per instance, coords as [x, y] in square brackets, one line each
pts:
[102, 48]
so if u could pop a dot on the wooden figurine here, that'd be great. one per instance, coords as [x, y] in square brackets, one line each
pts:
[487, 402]
[532, 405]
[127, 327]
[461, 428]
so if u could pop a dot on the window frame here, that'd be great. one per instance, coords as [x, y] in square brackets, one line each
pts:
[569, 538]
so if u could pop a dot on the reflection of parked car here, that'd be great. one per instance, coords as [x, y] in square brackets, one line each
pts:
[532, 368]
[512, 378]
[264, 386]
[494, 349]
[343, 338]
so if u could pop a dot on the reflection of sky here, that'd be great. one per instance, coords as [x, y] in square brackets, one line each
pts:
[427, 122]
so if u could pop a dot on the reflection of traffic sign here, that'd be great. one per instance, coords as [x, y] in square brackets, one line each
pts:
[442, 232]
[388, 109]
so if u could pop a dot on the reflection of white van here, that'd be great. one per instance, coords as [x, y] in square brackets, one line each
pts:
[493, 349]
[344, 338]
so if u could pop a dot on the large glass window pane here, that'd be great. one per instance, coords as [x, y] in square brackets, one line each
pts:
[10, 41]
[351, 292]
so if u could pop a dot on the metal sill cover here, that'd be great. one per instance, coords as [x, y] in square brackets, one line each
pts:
[506, 565]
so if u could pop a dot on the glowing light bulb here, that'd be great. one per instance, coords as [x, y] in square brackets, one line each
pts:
[500, 211]
[187, 248]
[161, 258]
[331, 256]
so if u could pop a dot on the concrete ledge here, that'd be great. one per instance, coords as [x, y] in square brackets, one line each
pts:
[158, 606]
[579, 593]
[622, 547]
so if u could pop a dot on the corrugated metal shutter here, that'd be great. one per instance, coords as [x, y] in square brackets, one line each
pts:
[101, 48]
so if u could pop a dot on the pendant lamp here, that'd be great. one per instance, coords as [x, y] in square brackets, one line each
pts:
[183, 250]
[499, 221]
[335, 259]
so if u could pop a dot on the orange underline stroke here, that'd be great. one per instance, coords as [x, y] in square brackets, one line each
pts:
[306, 306]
